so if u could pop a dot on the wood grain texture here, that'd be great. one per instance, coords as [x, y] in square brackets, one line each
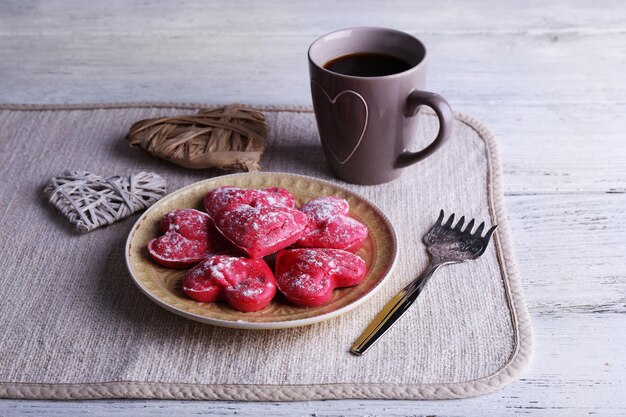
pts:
[546, 77]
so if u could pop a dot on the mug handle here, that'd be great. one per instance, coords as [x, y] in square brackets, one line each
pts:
[441, 107]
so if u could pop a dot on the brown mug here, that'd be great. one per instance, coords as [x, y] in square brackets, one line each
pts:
[367, 121]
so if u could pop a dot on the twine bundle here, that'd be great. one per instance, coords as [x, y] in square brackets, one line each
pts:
[231, 137]
[90, 201]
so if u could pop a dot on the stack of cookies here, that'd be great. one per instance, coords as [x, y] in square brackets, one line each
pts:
[226, 245]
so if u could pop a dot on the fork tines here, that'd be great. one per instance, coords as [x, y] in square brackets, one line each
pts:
[468, 228]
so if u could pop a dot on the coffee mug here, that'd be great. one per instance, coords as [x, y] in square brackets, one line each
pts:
[367, 86]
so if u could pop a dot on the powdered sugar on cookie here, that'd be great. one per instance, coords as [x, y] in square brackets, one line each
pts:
[245, 284]
[329, 226]
[307, 277]
[189, 237]
[259, 229]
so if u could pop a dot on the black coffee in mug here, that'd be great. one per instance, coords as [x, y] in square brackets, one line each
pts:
[367, 64]
[367, 85]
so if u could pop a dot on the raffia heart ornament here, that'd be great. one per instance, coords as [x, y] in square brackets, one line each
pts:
[231, 137]
[90, 201]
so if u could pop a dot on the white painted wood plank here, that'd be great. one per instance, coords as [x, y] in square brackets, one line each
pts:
[570, 250]
[197, 51]
[567, 148]
[288, 17]
[271, 68]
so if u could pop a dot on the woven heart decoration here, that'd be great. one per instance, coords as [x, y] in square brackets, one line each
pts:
[231, 137]
[90, 201]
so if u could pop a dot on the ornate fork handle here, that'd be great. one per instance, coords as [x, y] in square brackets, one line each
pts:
[393, 310]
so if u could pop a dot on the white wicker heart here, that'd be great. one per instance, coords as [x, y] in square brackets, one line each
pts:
[90, 201]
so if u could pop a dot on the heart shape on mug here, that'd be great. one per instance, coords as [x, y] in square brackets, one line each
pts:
[336, 124]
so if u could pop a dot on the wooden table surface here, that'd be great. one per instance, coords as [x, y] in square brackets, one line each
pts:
[549, 79]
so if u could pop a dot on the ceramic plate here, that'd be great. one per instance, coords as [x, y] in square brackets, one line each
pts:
[162, 285]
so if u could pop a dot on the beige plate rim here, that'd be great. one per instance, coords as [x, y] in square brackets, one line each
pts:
[240, 324]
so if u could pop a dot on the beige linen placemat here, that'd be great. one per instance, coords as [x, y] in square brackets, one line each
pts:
[74, 325]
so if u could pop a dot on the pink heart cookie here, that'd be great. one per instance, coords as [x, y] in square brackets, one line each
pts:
[189, 237]
[307, 277]
[329, 226]
[260, 230]
[245, 284]
[220, 197]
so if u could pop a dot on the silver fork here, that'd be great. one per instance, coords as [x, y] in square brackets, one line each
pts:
[446, 245]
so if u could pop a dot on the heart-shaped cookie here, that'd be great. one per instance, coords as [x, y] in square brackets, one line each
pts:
[307, 277]
[260, 230]
[340, 134]
[329, 226]
[189, 237]
[217, 199]
[245, 284]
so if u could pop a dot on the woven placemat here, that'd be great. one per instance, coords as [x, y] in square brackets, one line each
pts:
[75, 326]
